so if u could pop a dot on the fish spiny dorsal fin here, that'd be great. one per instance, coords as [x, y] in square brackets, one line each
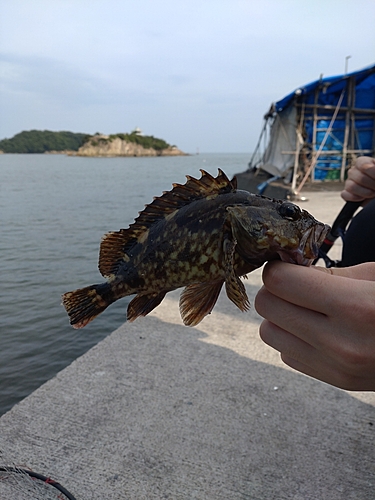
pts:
[208, 185]
[181, 195]
[115, 246]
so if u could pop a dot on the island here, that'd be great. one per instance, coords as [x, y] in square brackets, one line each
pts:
[133, 144]
[79, 144]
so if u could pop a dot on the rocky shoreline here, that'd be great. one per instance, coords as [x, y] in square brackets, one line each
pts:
[106, 146]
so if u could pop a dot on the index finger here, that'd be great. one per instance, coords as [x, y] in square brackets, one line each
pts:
[366, 165]
[363, 172]
[303, 286]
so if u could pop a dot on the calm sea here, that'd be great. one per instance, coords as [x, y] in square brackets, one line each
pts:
[53, 211]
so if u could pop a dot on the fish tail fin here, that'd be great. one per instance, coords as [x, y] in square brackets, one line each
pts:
[85, 304]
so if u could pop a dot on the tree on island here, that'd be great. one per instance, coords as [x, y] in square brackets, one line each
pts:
[147, 141]
[40, 141]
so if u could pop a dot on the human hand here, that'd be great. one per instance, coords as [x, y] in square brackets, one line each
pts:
[360, 184]
[322, 321]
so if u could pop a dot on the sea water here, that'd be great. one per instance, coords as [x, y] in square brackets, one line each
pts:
[53, 211]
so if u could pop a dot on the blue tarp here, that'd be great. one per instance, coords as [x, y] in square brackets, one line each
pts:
[327, 91]
[332, 88]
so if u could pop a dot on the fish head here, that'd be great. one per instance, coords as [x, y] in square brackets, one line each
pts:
[273, 229]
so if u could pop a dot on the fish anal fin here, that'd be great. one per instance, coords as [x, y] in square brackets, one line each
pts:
[198, 300]
[141, 305]
[234, 287]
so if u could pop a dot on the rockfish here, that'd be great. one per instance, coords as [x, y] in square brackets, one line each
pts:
[200, 235]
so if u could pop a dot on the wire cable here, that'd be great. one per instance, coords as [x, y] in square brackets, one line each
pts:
[36, 475]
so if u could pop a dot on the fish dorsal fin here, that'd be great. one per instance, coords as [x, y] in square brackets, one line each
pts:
[114, 245]
[181, 195]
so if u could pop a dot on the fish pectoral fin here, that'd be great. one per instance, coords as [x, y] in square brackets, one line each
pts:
[237, 293]
[234, 287]
[141, 305]
[198, 300]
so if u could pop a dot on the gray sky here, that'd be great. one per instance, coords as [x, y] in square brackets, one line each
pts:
[197, 73]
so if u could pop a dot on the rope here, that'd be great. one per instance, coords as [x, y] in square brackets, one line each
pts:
[313, 163]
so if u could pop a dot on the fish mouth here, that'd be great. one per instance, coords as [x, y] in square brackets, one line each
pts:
[308, 249]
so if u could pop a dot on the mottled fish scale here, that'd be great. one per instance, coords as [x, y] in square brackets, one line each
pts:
[199, 235]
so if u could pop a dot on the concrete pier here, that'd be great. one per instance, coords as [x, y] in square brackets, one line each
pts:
[161, 411]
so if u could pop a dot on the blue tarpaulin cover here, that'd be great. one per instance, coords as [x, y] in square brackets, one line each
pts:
[328, 91]
[332, 87]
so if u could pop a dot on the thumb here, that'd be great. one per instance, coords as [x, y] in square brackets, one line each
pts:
[364, 271]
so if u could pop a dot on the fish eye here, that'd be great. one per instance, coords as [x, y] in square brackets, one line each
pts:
[290, 211]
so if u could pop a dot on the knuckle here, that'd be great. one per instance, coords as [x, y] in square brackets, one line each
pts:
[352, 360]
[260, 301]
[264, 332]
[267, 333]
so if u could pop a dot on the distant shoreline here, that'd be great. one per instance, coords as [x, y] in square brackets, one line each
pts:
[78, 144]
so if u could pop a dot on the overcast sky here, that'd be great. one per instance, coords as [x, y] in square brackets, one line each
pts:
[197, 73]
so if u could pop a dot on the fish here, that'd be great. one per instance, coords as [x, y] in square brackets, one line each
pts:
[201, 235]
